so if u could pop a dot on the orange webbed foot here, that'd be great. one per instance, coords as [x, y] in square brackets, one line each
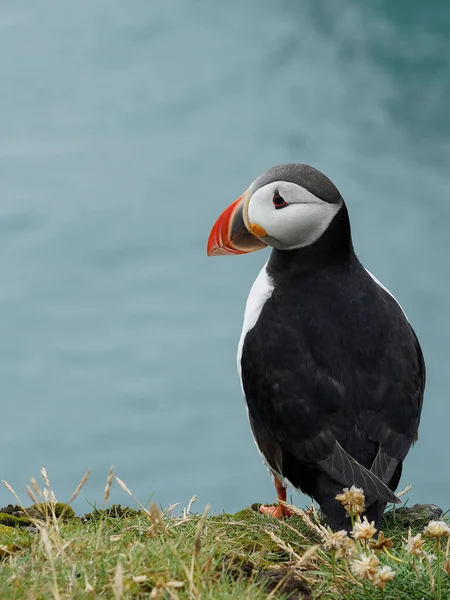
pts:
[276, 512]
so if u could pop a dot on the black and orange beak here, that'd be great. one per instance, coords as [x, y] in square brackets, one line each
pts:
[230, 234]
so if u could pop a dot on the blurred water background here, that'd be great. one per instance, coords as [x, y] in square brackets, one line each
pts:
[126, 128]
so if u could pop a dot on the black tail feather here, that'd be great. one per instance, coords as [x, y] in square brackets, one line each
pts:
[344, 469]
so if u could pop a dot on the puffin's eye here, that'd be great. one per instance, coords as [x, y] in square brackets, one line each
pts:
[278, 201]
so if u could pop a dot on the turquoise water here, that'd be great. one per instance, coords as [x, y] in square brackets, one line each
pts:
[126, 128]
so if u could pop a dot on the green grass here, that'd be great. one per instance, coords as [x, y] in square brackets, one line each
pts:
[128, 553]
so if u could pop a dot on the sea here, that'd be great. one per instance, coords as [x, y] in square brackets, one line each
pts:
[125, 129]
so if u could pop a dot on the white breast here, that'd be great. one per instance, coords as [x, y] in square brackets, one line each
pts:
[259, 294]
[386, 290]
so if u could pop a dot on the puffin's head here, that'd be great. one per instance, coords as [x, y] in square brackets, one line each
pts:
[288, 207]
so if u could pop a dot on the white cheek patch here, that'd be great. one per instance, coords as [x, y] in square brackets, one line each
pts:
[304, 225]
[299, 224]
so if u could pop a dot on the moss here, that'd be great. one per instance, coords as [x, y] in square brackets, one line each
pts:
[233, 558]
[43, 511]
[9, 520]
[16, 516]
[246, 513]
[12, 541]
[5, 532]
[65, 511]
[116, 511]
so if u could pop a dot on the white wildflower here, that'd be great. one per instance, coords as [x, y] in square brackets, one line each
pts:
[363, 530]
[348, 550]
[336, 540]
[366, 567]
[414, 544]
[437, 529]
[352, 500]
[382, 575]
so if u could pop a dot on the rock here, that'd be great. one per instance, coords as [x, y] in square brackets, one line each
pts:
[16, 516]
[418, 515]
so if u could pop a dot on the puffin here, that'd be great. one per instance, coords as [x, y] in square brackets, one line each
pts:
[332, 372]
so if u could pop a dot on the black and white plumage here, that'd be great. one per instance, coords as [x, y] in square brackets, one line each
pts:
[331, 369]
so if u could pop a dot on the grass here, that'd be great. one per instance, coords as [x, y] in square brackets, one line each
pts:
[146, 553]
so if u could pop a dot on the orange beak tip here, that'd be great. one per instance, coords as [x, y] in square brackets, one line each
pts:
[230, 234]
[219, 241]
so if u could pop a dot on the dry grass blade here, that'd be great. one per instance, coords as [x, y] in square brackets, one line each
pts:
[283, 545]
[156, 518]
[79, 486]
[108, 485]
[127, 490]
[307, 557]
[171, 508]
[88, 588]
[36, 488]
[301, 562]
[175, 584]
[407, 489]
[296, 531]
[170, 588]
[316, 527]
[123, 485]
[198, 531]
[11, 489]
[430, 572]
[172, 595]
[118, 582]
[186, 511]
[50, 503]
[197, 547]
[76, 492]
[48, 551]
[46, 541]
[31, 495]
[44, 508]
[45, 477]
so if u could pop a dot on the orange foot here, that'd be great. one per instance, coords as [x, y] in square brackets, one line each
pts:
[281, 511]
[277, 512]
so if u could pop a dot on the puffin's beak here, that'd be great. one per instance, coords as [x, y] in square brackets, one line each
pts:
[230, 234]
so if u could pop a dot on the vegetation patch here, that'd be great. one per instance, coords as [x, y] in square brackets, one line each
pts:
[143, 552]
[116, 511]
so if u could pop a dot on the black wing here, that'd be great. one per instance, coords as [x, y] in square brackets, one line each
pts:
[339, 388]
[396, 426]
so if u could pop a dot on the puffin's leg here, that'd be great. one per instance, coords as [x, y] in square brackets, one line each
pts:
[280, 511]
